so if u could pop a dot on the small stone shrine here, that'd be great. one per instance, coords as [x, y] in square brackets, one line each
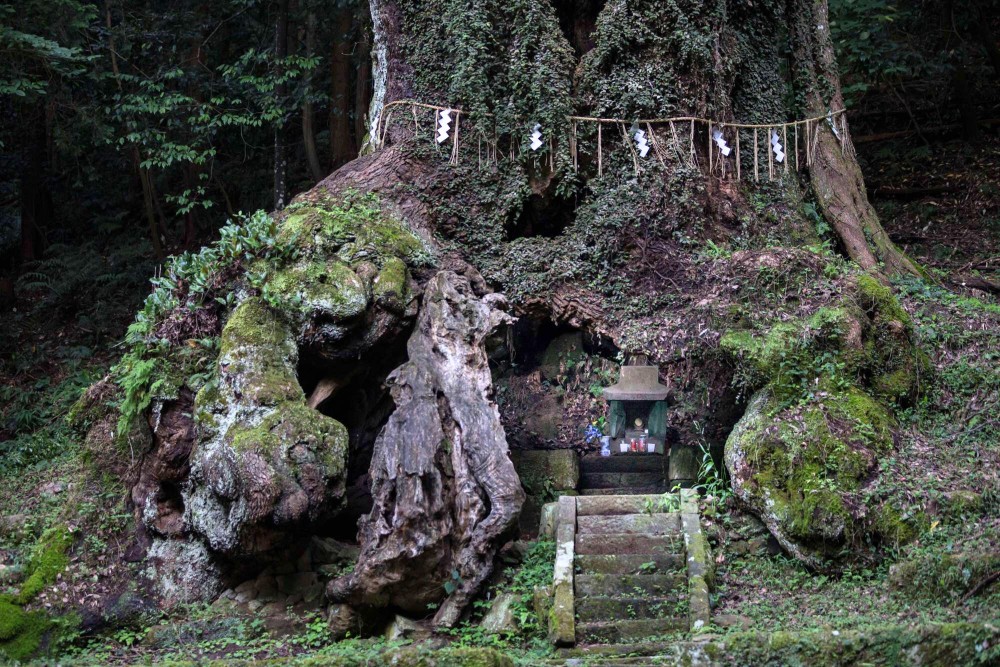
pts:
[638, 411]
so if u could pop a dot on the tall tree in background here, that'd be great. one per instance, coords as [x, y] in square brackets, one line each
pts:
[281, 91]
[185, 98]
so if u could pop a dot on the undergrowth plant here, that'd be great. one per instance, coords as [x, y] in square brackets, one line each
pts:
[155, 364]
[521, 580]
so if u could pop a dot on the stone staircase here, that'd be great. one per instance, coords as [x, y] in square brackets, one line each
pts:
[623, 474]
[630, 570]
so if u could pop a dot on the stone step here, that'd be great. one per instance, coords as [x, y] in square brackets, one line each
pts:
[628, 544]
[629, 563]
[624, 463]
[596, 609]
[650, 489]
[640, 524]
[611, 632]
[611, 480]
[616, 652]
[607, 504]
[628, 585]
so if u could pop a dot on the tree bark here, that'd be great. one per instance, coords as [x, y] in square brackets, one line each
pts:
[444, 488]
[363, 83]
[341, 144]
[835, 173]
[308, 131]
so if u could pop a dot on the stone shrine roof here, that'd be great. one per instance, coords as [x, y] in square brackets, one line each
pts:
[637, 383]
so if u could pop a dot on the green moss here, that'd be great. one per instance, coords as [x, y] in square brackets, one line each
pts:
[12, 619]
[257, 350]
[385, 237]
[963, 504]
[808, 459]
[48, 558]
[942, 575]
[26, 641]
[324, 287]
[896, 385]
[925, 644]
[252, 324]
[893, 529]
[296, 423]
[879, 301]
[354, 225]
[390, 287]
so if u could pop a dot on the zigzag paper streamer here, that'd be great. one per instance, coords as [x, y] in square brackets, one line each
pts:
[536, 137]
[641, 143]
[444, 126]
[721, 143]
[776, 147]
[833, 125]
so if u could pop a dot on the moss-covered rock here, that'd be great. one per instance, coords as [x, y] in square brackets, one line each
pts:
[264, 462]
[321, 289]
[816, 427]
[48, 558]
[353, 227]
[390, 288]
[21, 632]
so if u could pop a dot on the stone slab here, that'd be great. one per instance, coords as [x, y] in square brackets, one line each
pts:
[654, 489]
[557, 469]
[624, 463]
[628, 544]
[629, 585]
[600, 609]
[629, 563]
[624, 504]
[613, 632]
[562, 615]
[612, 480]
[685, 462]
[641, 524]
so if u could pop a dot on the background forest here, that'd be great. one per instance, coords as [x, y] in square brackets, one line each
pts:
[135, 131]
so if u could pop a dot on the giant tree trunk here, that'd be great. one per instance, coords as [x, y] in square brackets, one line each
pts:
[836, 176]
[444, 488]
[596, 240]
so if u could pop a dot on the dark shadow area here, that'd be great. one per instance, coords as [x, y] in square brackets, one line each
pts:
[577, 19]
[543, 217]
[359, 399]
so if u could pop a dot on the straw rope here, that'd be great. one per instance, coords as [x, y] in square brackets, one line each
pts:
[810, 142]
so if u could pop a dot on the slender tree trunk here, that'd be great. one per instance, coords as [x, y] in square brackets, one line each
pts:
[835, 173]
[145, 180]
[308, 130]
[342, 147]
[280, 146]
[149, 204]
[363, 82]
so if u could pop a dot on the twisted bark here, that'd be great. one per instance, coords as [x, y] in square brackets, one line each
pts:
[444, 489]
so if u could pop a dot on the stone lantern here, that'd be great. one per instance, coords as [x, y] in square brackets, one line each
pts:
[638, 409]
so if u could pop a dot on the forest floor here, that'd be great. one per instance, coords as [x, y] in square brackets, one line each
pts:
[939, 202]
